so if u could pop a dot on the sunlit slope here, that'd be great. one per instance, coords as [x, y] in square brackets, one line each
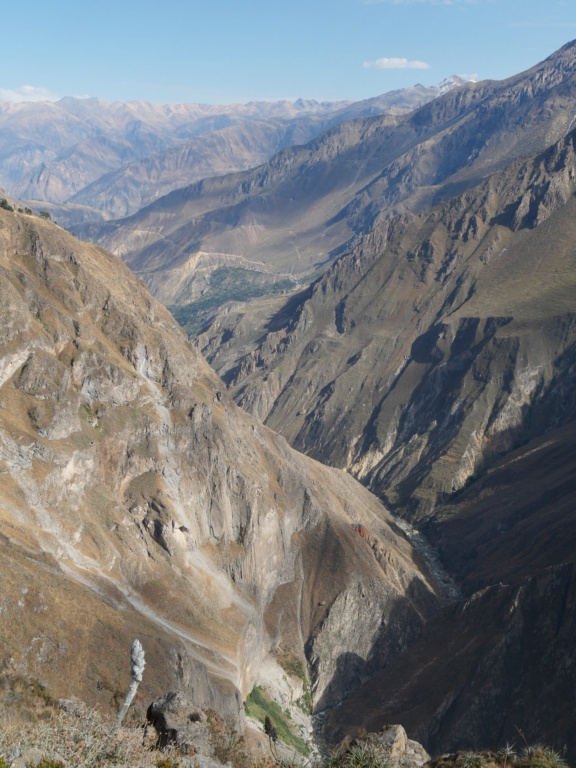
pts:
[133, 488]
[420, 355]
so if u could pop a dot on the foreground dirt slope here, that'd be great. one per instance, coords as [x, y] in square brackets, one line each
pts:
[137, 500]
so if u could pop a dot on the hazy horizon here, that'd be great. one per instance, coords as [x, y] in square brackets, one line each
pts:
[231, 52]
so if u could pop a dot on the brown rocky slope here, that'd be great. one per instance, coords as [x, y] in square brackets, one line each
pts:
[137, 500]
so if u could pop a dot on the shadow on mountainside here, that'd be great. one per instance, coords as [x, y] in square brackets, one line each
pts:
[502, 660]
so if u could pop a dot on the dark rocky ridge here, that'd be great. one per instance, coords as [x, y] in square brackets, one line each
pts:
[416, 357]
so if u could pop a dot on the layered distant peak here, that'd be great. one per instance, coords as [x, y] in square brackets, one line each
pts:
[454, 81]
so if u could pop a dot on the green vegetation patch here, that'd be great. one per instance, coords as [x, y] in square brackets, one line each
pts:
[294, 667]
[305, 702]
[227, 284]
[258, 706]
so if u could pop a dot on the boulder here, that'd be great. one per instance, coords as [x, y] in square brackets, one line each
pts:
[178, 722]
[398, 748]
[74, 706]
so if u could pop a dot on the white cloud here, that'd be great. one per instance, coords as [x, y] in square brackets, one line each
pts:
[27, 93]
[393, 63]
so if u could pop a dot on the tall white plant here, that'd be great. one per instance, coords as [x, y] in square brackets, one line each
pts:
[137, 664]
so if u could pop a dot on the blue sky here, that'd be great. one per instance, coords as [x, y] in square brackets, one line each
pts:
[224, 51]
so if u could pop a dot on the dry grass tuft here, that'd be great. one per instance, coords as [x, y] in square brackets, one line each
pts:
[78, 741]
[532, 756]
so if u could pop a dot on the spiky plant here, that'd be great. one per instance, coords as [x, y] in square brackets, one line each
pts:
[554, 758]
[530, 750]
[507, 752]
[471, 760]
[137, 664]
[365, 755]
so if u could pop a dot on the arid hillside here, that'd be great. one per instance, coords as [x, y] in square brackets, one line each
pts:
[441, 342]
[137, 500]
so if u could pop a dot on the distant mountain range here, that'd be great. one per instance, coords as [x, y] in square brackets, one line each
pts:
[93, 160]
[291, 216]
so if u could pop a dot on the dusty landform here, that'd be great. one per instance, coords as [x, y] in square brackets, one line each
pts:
[137, 500]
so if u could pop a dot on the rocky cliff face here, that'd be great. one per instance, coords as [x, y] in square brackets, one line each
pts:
[500, 661]
[137, 499]
[439, 343]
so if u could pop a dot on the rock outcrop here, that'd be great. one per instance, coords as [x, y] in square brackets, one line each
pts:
[390, 746]
[398, 748]
[181, 724]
